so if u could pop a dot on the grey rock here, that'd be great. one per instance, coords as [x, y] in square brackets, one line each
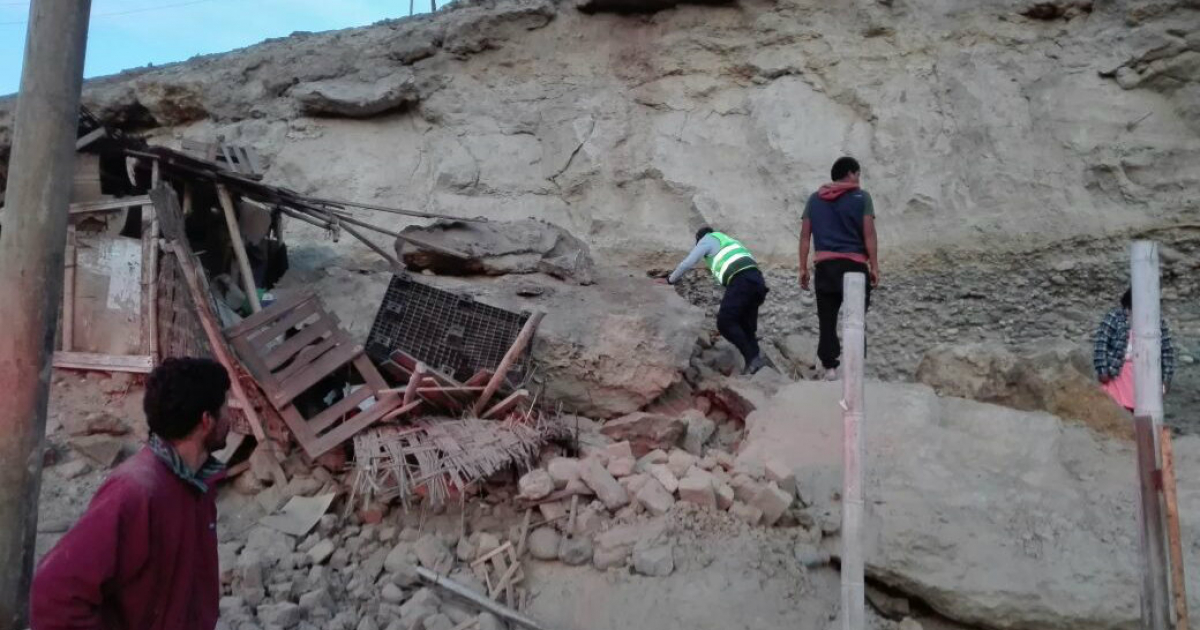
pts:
[655, 559]
[543, 543]
[575, 550]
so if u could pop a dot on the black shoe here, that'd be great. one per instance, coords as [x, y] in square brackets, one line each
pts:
[757, 363]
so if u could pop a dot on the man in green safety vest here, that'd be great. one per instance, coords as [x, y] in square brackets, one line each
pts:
[745, 290]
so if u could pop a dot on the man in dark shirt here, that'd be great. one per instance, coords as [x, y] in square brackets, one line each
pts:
[839, 220]
[144, 554]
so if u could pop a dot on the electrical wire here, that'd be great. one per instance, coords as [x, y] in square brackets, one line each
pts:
[125, 12]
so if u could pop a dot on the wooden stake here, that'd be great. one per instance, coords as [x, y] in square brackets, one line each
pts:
[524, 532]
[510, 357]
[68, 316]
[1174, 537]
[414, 381]
[853, 353]
[1147, 390]
[239, 248]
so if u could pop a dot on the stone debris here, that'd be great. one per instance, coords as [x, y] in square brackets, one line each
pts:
[536, 484]
[780, 473]
[621, 466]
[773, 501]
[654, 497]
[605, 486]
[747, 513]
[563, 470]
[663, 475]
[680, 462]
[543, 543]
[575, 550]
[654, 559]
[698, 490]
[699, 429]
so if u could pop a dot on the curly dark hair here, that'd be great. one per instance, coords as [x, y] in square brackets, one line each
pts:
[179, 391]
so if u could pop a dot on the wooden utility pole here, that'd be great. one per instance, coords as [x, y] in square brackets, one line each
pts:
[854, 338]
[31, 274]
[1147, 388]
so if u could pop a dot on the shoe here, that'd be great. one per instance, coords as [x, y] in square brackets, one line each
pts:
[755, 364]
[831, 374]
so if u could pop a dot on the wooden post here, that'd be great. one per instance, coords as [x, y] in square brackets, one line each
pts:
[31, 274]
[68, 310]
[853, 356]
[239, 248]
[149, 281]
[510, 357]
[1147, 390]
[1174, 537]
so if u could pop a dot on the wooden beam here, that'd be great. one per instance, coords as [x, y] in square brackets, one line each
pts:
[1174, 537]
[510, 357]
[395, 262]
[90, 137]
[109, 205]
[414, 382]
[506, 405]
[239, 248]
[150, 281]
[137, 364]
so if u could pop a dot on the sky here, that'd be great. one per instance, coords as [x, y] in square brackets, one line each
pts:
[133, 33]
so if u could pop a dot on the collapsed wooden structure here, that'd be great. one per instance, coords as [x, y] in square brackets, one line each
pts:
[167, 267]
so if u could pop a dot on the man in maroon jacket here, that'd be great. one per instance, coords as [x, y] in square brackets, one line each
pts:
[144, 554]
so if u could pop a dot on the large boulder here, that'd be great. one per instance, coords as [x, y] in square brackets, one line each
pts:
[993, 516]
[1056, 378]
[496, 248]
[605, 349]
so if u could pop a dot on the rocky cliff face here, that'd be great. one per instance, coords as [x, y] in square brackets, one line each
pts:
[998, 123]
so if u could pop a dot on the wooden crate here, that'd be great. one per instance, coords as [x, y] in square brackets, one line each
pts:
[293, 345]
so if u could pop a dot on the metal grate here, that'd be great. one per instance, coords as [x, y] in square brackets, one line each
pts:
[451, 333]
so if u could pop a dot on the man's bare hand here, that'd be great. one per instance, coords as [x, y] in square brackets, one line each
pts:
[661, 281]
[804, 279]
[874, 275]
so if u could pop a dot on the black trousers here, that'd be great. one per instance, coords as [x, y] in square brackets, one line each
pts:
[737, 319]
[827, 282]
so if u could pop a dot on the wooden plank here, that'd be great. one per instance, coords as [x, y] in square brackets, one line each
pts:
[449, 390]
[369, 373]
[262, 338]
[510, 357]
[239, 247]
[506, 405]
[68, 316]
[149, 281]
[347, 430]
[522, 539]
[155, 233]
[109, 205]
[249, 356]
[322, 421]
[1174, 536]
[230, 164]
[280, 308]
[90, 137]
[306, 357]
[255, 163]
[480, 378]
[291, 388]
[286, 350]
[136, 364]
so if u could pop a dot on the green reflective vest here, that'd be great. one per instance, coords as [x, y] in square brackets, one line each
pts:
[731, 259]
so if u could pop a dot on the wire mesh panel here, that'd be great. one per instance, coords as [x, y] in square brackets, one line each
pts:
[451, 333]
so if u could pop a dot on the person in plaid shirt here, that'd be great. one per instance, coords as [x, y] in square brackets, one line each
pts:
[1112, 354]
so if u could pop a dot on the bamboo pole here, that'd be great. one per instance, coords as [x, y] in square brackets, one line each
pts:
[1174, 537]
[854, 349]
[409, 213]
[31, 274]
[239, 248]
[1147, 386]
[510, 357]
